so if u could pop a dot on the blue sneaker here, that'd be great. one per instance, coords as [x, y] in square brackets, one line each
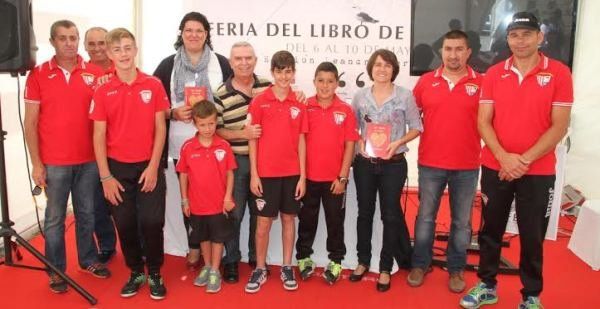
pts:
[478, 296]
[532, 302]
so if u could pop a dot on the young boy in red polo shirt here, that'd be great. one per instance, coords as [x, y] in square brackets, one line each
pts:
[329, 149]
[205, 167]
[277, 167]
[129, 135]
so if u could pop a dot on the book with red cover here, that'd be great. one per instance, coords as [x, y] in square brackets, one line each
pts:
[378, 139]
[194, 95]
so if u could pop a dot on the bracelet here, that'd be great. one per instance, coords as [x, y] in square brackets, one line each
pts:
[185, 202]
[103, 179]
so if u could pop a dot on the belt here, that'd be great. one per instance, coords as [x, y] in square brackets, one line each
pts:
[395, 158]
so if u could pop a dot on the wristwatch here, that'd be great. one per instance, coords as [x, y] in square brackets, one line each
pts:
[343, 180]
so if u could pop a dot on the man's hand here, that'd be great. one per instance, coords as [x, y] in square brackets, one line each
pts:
[337, 187]
[38, 173]
[300, 188]
[252, 131]
[256, 186]
[512, 166]
[183, 113]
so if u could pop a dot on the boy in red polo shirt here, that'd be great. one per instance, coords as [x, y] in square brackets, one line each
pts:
[329, 148]
[277, 167]
[205, 167]
[129, 135]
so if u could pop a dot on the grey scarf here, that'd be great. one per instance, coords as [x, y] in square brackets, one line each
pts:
[184, 72]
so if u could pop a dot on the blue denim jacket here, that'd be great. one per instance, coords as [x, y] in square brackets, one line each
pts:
[399, 110]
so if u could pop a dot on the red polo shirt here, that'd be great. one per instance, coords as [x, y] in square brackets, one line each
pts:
[64, 129]
[450, 139]
[328, 130]
[129, 112]
[206, 168]
[522, 110]
[282, 123]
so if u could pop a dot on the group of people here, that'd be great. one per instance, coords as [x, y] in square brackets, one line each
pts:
[238, 139]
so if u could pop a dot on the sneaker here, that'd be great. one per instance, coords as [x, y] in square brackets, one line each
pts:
[332, 272]
[532, 302]
[478, 296]
[202, 278]
[456, 283]
[417, 276]
[105, 256]
[136, 280]
[288, 278]
[257, 278]
[98, 270]
[306, 267]
[214, 282]
[57, 284]
[157, 286]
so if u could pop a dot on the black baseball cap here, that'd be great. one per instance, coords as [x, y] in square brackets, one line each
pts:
[523, 20]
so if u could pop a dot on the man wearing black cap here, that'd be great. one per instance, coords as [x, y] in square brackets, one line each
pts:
[524, 112]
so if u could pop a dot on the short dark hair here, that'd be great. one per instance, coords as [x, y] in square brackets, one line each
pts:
[456, 34]
[283, 59]
[327, 67]
[195, 16]
[204, 109]
[388, 57]
[65, 23]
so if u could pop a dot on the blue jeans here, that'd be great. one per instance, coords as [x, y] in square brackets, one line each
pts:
[81, 181]
[242, 196]
[462, 185]
[387, 179]
[103, 223]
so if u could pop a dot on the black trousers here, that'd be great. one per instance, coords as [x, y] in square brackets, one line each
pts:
[385, 178]
[335, 212]
[533, 195]
[144, 208]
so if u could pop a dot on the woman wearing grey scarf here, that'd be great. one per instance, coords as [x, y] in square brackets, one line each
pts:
[193, 65]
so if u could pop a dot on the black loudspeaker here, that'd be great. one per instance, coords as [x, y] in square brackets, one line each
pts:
[17, 41]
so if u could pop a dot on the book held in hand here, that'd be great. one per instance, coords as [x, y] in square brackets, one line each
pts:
[378, 139]
[194, 95]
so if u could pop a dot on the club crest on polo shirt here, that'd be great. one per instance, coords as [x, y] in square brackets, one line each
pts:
[339, 117]
[471, 89]
[294, 112]
[543, 79]
[260, 204]
[220, 154]
[146, 96]
[88, 78]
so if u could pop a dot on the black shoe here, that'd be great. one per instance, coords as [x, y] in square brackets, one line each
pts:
[98, 270]
[57, 284]
[105, 256]
[357, 277]
[131, 287]
[383, 287]
[230, 273]
[157, 286]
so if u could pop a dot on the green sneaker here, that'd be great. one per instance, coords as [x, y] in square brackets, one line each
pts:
[214, 282]
[202, 278]
[532, 302]
[136, 280]
[306, 267]
[157, 286]
[478, 296]
[332, 272]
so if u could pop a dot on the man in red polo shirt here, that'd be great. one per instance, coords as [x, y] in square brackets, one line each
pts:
[129, 135]
[330, 140]
[277, 167]
[59, 138]
[449, 151]
[524, 112]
